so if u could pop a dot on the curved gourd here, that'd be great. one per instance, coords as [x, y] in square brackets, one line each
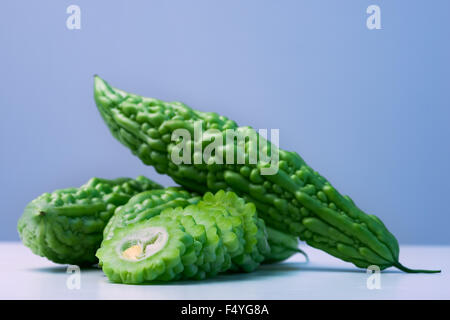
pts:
[66, 226]
[296, 199]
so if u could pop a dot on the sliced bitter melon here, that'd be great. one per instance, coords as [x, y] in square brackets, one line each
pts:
[151, 250]
[256, 246]
[225, 235]
[148, 204]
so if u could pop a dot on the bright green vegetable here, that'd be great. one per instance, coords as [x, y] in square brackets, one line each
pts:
[154, 249]
[240, 225]
[296, 199]
[223, 238]
[66, 226]
[217, 239]
[148, 204]
[221, 233]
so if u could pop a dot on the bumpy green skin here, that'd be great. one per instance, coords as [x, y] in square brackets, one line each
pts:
[225, 235]
[66, 226]
[238, 223]
[217, 236]
[148, 204]
[296, 199]
[255, 235]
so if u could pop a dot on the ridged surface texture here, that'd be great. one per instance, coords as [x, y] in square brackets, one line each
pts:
[221, 233]
[66, 226]
[148, 204]
[296, 199]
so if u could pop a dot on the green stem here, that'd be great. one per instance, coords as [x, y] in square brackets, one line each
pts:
[303, 253]
[405, 269]
[296, 250]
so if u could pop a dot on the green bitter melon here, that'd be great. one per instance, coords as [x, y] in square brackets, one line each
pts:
[195, 242]
[148, 204]
[296, 199]
[66, 226]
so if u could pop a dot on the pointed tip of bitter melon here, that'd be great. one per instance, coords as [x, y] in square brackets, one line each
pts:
[401, 267]
[105, 96]
[98, 82]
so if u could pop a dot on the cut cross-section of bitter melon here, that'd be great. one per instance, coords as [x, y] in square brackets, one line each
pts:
[143, 243]
[150, 203]
[147, 251]
[225, 235]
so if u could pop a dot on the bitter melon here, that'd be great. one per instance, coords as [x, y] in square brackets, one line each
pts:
[217, 238]
[295, 199]
[153, 249]
[148, 204]
[66, 226]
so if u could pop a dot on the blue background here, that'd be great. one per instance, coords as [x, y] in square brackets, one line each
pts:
[368, 109]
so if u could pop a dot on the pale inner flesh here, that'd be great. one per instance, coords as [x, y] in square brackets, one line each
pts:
[142, 244]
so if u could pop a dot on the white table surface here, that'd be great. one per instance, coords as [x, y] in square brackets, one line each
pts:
[26, 276]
